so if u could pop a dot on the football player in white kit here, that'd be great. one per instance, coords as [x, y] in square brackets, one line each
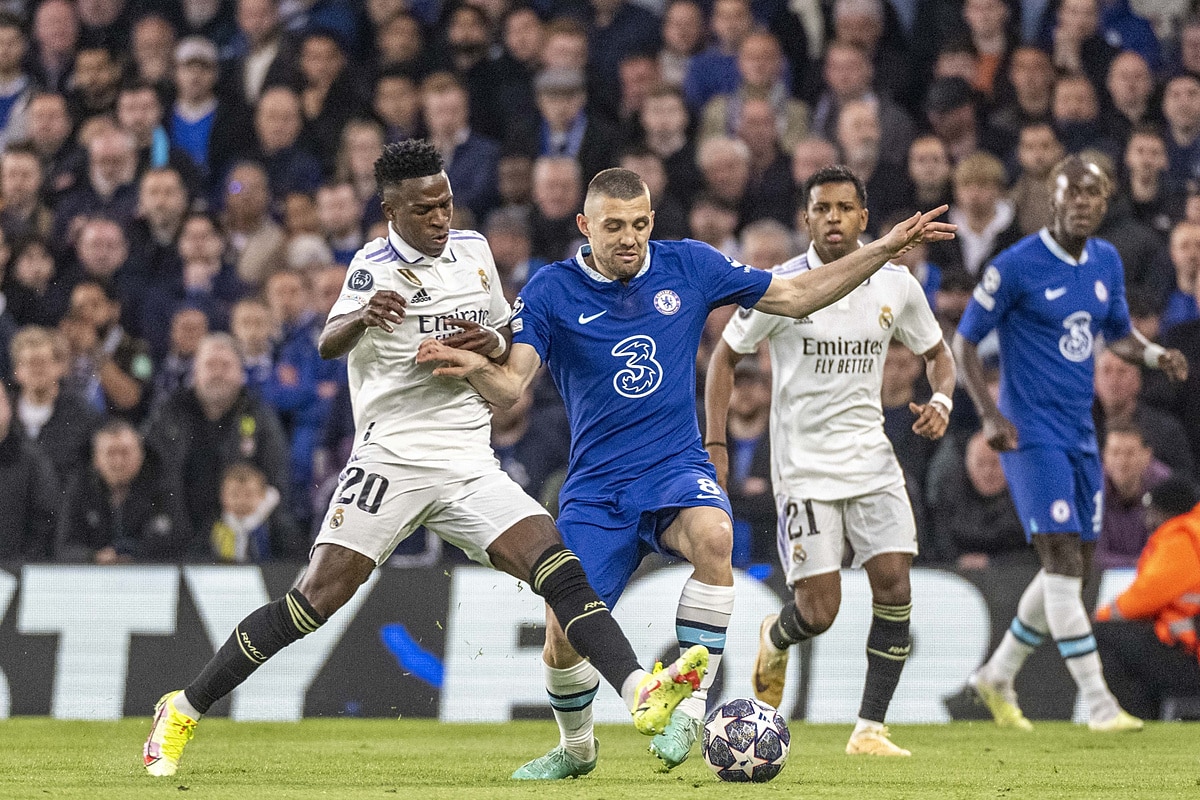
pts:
[423, 457]
[835, 476]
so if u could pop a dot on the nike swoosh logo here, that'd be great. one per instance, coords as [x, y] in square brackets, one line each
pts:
[1054, 294]
[708, 639]
[585, 320]
[709, 496]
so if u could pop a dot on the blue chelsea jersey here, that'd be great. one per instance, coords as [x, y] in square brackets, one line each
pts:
[1048, 309]
[623, 356]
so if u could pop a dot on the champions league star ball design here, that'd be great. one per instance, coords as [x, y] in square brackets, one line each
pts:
[746, 741]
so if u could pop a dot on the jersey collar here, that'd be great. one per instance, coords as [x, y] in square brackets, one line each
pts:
[411, 255]
[586, 250]
[1057, 251]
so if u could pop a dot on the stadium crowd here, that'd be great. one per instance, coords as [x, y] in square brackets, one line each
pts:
[184, 183]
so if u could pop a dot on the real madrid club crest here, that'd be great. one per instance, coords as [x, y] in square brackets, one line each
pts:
[799, 555]
[667, 302]
[483, 279]
[338, 518]
[885, 317]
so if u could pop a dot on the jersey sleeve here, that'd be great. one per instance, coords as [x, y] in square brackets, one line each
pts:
[363, 279]
[724, 280]
[916, 327]
[530, 321]
[998, 289]
[1117, 324]
[748, 327]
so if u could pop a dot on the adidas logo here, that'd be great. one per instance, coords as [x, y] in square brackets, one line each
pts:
[421, 296]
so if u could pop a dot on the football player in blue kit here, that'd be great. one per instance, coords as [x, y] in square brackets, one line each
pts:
[1048, 297]
[619, 326]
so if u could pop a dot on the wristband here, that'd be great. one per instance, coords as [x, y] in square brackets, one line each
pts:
[1152, 353]
[500, 348]
[716, 444]
[944, 401]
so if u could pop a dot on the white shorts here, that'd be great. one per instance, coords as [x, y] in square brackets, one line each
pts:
[812, 534]
[379, 503]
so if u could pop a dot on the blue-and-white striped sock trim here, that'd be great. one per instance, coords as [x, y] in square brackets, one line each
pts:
[692, 633]
[1026, 634]
[1079, 646]
[573, 702]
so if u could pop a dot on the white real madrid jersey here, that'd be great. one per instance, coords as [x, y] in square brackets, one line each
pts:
[827, 439]
[398, 403]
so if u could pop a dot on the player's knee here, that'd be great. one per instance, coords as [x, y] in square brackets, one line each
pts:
[893, 593]
[329, 592]
[817, 613]
[712, 548]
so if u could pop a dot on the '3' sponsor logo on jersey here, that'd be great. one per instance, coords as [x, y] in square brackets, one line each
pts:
[1076, 343]
[642, 374]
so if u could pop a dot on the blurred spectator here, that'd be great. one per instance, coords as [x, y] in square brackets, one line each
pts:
[1076, 113]
[1032, 195]
[670, 213]
[1185, 258]
[94, 82]
[36, 292]
[566, 128]
[565, 45]
[811, 154]
[397, 103]
[468, 41]
[1147, 637]
[1119, 403]
[973, 520]
[986, 220]
[121, 509]
[260, 57]
[21, 184]
[209, 130]
[990, 35]
[860, 138]
[201, 431]
[29, 491]
[531, 443]
[1130, 88]
[153, 51]
[362, 144]
[725, 167]
[256, 242]
[901, 370]
[109, 188]
[1031, 76]
[188, 327]
[15, 85]
[769, 193]
[253, 527]
[277, 126]
[469, 158]
[557, 198]
[862, 24]
[140, 113]
[55, 37]
[1181, 110]
[329, 95]
[254, 332]
[110, 368]
[683, 35]
[340, 214]
[760, 66]
[953, 118]
[57, 420]
[664, 123]
[929, 172]
[101, 254]
[848, 76]
[1077, 42]
[50, 135]
[714, 71]
[514, 182]
[749, 446]
[616, 28]
[524, 37]
[638, 76]
[714, 221]
[1156, 199]
[327, 287]
[104, 22]
[154, 235]
[1130, 471]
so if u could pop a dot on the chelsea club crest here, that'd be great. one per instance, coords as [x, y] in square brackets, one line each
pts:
[667, 302]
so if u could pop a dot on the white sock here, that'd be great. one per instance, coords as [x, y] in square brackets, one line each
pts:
[572, 691]
[866, 725]
[183, 706]
[702, 618]
[629, 688]
[1028, 630]
[1073, 634]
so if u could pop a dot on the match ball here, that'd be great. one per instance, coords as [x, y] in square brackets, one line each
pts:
[746, 741]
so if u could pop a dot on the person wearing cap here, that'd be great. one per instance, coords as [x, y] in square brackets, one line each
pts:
[566, 127]
[951, 109]
[1147, 636]
[208, 130]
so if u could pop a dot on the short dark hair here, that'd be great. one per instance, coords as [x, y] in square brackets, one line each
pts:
[11, 20]
[1174, 496]
[115, 427]
[617, 183]
[838, 173]
[411, 158]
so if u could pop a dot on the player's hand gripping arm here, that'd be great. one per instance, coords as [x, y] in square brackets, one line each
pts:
[494, 343]
[1000, 433]
[1137, 349]
[499, 384]
[814, 289]
[718, 387]
[934, 417]
[384, 310]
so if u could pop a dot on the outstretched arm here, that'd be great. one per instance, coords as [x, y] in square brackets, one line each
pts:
[718, 386]
[813, 290]
[499, 384]
[1137, 349]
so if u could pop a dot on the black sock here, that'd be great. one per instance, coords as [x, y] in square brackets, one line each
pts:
[888, 645]
[558, 577]
[256, 638]
[790, 628]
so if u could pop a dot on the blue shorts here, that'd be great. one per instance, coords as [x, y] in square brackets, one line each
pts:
[1056, 490]
[614, 532]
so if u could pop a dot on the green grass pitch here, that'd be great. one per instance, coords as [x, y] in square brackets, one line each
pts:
[422, 759]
